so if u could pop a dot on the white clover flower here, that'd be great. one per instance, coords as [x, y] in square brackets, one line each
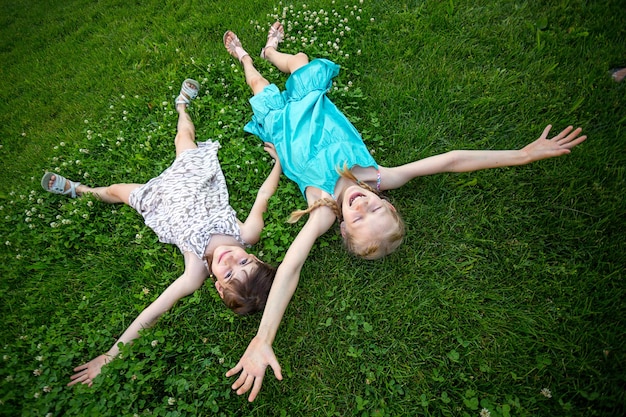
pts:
[37, 372]
[9, 378]
[7, 243]
[171, 401]
[86, 175]
[86, 121]
[146, 291]
[546, 392]
[47, 388]
[485, 413]
[164, 104]
[5, 357]
[154, 343]
[36, 395]
[39, 358]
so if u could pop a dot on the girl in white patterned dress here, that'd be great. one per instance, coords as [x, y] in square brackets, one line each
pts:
[187, 205]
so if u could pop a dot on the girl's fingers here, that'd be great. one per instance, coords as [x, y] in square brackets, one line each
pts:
[544, 135]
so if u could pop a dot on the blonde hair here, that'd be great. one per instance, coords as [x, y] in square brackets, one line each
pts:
[322, 202]
[373, 249]
[381, 247]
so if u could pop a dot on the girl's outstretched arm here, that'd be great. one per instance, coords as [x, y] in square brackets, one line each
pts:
[252, 227]
[259, 353]
[192, 279]
[466, 161]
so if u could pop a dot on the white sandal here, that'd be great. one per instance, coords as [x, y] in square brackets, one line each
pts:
[188, 91]
[58, 186]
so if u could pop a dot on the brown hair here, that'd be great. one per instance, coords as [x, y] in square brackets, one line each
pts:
[373, 249]
[249, 295]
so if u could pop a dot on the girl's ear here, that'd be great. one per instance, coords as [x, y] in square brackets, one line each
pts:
[220, 289]
[342, 227]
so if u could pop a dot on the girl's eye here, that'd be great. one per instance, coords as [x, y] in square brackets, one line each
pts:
[228, 274]
[243, 262]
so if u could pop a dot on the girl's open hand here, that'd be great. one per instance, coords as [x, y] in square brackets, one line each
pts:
[252, 366]
[559, 145]
[86, 372]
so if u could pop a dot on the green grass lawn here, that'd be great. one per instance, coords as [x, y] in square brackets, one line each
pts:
[505, 300]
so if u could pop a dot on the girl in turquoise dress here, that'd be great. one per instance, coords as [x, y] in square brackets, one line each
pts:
[324, 154]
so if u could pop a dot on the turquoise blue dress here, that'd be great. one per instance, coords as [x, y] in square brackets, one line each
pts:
[311, 136]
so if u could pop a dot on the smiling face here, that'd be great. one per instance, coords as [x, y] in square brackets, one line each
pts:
[371, 227]
[231, 263]
[365, 214]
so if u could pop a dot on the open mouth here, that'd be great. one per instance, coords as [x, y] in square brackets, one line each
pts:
[354, 196]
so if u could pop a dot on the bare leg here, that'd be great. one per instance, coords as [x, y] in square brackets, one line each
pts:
[286, 63]
[185, 131]
[116, 193]
[254, 79]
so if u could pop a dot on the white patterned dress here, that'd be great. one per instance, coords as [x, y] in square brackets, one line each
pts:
[188, 203]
